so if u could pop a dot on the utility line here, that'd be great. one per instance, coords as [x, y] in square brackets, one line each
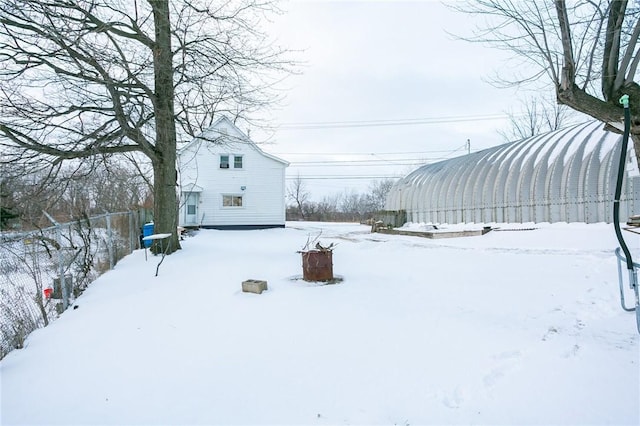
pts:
[420, 163]
[373, 154]
[365, 153]
[351, 162]
[343, 177]
[372, 162]
[396, 122]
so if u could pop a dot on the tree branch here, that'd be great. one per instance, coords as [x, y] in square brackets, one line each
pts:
[612, 48]
[568, 76]
[629, 62]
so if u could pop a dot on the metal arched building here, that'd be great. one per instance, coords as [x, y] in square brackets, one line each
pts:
[563, 176]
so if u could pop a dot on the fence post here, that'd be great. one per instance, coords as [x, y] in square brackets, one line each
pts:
[132, 236]
[63, 284]
[110, 241]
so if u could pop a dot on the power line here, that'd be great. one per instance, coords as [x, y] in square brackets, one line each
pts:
[419, 163]
[379, 159]
[365, 153]
[343, 177]
[353, 162]
[379, 162]
[374, 154]
[396, 122]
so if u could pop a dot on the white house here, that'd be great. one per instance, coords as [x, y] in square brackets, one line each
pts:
[227, 182]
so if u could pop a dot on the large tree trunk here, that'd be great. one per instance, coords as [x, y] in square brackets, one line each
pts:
[164, 166]
[165, 218]
[609, 112]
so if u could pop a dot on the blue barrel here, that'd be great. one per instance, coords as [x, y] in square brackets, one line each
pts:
[147, 229]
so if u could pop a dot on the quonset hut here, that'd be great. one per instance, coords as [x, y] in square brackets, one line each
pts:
[564, 176]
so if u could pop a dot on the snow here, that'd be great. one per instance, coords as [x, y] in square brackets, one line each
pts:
[513, 327]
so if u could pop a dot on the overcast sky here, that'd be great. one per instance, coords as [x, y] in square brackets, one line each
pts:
[408, 92]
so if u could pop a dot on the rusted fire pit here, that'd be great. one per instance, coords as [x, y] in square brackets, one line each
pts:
[317, 265]
[317, 261]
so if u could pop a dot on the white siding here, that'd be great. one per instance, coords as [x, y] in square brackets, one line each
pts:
[262, 177]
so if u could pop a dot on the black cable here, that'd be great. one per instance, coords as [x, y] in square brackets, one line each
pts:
[618, 191]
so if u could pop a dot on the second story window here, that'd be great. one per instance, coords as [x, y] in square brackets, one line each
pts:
[224, 161]
[237, 161]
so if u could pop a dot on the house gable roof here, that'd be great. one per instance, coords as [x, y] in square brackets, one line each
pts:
[224, 128]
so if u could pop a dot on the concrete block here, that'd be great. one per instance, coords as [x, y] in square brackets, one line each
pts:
[254, 286]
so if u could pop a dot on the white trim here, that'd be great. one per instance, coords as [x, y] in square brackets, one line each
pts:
[232, 195]
[242, 138]
[190, 187]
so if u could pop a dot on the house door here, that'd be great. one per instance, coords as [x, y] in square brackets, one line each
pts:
[191, 208]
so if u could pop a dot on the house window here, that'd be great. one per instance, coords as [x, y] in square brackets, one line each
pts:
[237, 161]
[232, 201]
[224, 161]
[191, 209]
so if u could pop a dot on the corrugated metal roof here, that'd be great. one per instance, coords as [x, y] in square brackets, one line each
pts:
[562, 176]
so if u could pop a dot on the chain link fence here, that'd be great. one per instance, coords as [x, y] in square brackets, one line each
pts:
[42, 272]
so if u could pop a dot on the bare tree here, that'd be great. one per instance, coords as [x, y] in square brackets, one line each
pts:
[350, 205]
[328, 207]
[378, 191]
[298, 193]
[537, 115]
[86, 78]
[354, 204]
[8, 205]
[588, 51]
[29, 195]
[89, 189]
[114, 187]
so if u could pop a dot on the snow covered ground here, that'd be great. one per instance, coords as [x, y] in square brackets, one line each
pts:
[513, 327]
